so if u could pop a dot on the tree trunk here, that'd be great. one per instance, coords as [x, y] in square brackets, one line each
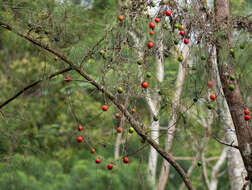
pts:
[234, 98]
[165, 168]
[235, 164]
[153, 101]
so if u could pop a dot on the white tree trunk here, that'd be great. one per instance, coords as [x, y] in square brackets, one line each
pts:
[153, 101]
[172, 124]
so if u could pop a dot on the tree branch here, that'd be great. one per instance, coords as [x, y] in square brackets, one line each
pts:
[135, 124]
[32, 85]
[224, 143]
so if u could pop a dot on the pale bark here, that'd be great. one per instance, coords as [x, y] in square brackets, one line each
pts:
[153, 101]
[172, 124]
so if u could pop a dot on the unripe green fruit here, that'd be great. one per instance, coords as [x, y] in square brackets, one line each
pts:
[231, 87]
[148, 75]
[140, 62]
[176, 42]
[203, 57]
[180, 58]
[155, 118]
[232, 77]
[120, 90]
[131, 130]
[210, 106]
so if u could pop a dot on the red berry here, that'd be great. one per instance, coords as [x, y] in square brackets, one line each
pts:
[126, 160]
[186, 41]
[119, 129]
[97, 160]
[151, 33]
[152, 25]
[80, 128]
[110, 166]
[79, 139]
[157, 20]
[212, 96]
[246, 112]
[182, 33]
[150, 45]
[145, 85]
[93, 150]
[247, 117]
[120, 18]
[247, 178]
[168, 13]
[68, 79]
[105, 108]
[210, 84]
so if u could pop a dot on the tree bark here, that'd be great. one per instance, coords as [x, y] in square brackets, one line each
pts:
[236, 167]
[234, 98]
[165, 168]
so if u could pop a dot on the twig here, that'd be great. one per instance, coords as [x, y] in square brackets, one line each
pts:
[224, 143]
[32, 85]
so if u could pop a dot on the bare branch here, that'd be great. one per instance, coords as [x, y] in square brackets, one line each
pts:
[224, 143]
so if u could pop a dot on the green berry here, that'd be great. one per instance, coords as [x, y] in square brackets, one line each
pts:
[176, 26]
[120, 90]
[232, 77]
[153, 4]
[148, 75]
[195, 99]
[176, 42]
[140, 62]
[131, 130]
[155, 118]
[180, 58]
[199, 163]
[203, 57]
[210, 106]
[231, 87]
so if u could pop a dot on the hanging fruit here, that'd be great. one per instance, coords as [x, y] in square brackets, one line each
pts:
[168, 13]
[80, 128]
[92, 150]
[247, 117]
[151, 32]
[98, 160]
[133, 110]
[120, 90]
[68, 79]
[181, 27]
[203, 57]
[117, 115]
[105, 108]
[126, 160]
[152, 25]
[246, 111]
[150, 45]
[231, 87]
[131, 130]
[79, 139]
[110, 166]
[182, 33]
[210, 84]
[157, 20]
[120, 18]
[119, 129]
[212, 96]
[155, 118]
[180, 58]
[145, 85]
[186, 41]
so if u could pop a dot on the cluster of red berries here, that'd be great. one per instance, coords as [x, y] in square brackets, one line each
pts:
[110, 166]
[246, 114]
[80, 139]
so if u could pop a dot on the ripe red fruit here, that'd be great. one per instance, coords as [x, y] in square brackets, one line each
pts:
[68, 79]
[247, 117]
[182, 33]
[110, 166]
[120, 18]
[145, 85]
[126, 160]
[246, 112]
[105, 108]
[79, 139]
[247, 178]
[80, 128]
[168, 13]
[98, 161]
[119, 129]
[152, 25]
[150, 45]
[151, 32]
[210, 84]
[93, 150]
[212, 96]
[186, 41]
[157, 20]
